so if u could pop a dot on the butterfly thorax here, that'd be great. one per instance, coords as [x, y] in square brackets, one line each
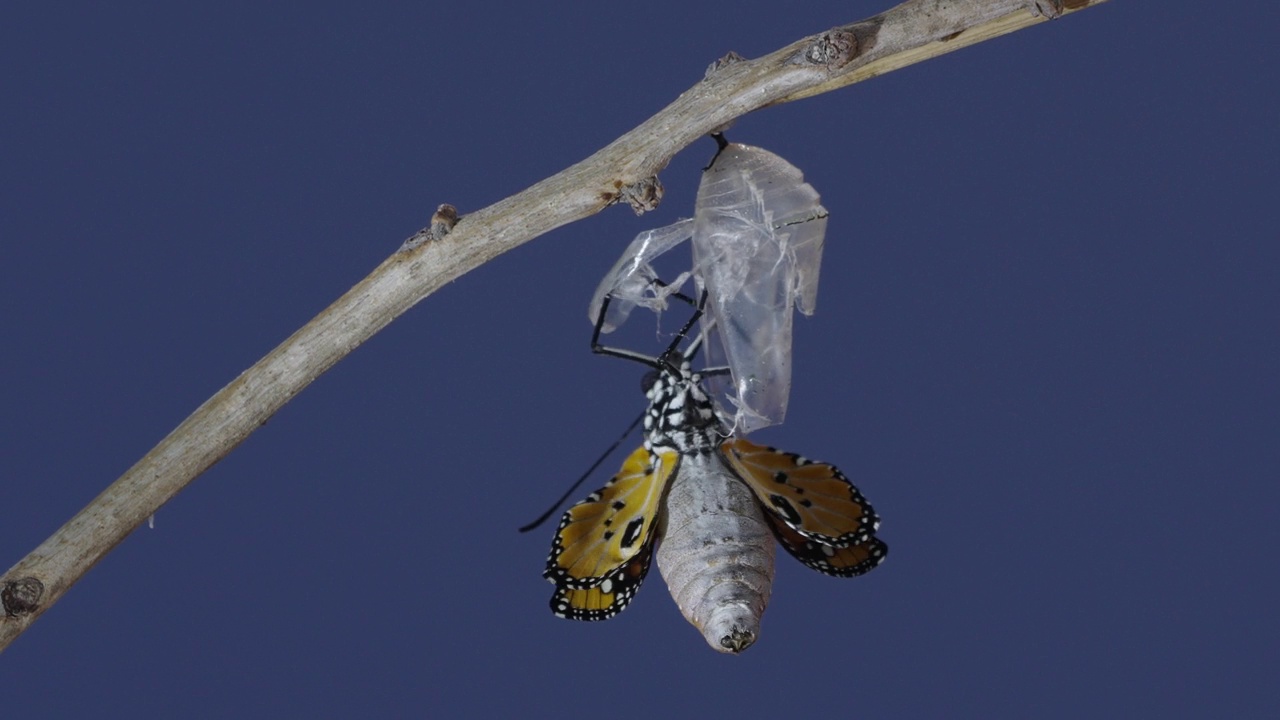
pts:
[680, 415]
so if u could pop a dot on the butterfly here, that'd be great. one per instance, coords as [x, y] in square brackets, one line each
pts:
[709, 507]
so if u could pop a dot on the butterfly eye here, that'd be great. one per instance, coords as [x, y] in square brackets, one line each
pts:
[646, 382]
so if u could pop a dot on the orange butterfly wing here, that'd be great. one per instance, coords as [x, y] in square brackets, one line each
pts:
[603, 546]
[848, 561]
[814, 500]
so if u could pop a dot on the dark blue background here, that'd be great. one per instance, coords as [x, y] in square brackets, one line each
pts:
[1046, 348]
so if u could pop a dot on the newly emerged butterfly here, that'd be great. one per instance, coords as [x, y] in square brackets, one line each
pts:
[757, 233]
[709, 507]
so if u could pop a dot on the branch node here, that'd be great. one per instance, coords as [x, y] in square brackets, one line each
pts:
[22, 596]
[834, 48]
[642, 196]
[1045, 8]
[730, 58]
[445, 217]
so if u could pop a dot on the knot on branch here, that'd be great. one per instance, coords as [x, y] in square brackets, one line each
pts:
[442, 221]
[1046, 8]
[642, 196]
[834, 48]
[22, 596]
[839, 46]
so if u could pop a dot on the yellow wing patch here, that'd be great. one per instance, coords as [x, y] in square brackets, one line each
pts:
[600, 539]
[608, 598]
[813, 499]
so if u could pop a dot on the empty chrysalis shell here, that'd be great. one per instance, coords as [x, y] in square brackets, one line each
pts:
[757, 234]
[631, 279]
[757, 247]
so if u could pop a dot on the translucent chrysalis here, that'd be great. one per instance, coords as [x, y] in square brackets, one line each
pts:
[757, 246]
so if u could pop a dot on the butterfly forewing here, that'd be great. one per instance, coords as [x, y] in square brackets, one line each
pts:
[848, 561]
[599, 539]
[811, 498]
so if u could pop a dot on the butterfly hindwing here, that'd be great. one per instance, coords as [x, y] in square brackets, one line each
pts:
[848, 561]
[600, 538]
[813, 499]
[610, 596]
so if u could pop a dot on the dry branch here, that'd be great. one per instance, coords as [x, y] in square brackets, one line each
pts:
[625, 170]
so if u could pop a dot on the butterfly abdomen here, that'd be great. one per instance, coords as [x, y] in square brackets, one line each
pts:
[716, 553]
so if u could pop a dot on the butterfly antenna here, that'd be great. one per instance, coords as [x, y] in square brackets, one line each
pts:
[551, 510]
[674, 349]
